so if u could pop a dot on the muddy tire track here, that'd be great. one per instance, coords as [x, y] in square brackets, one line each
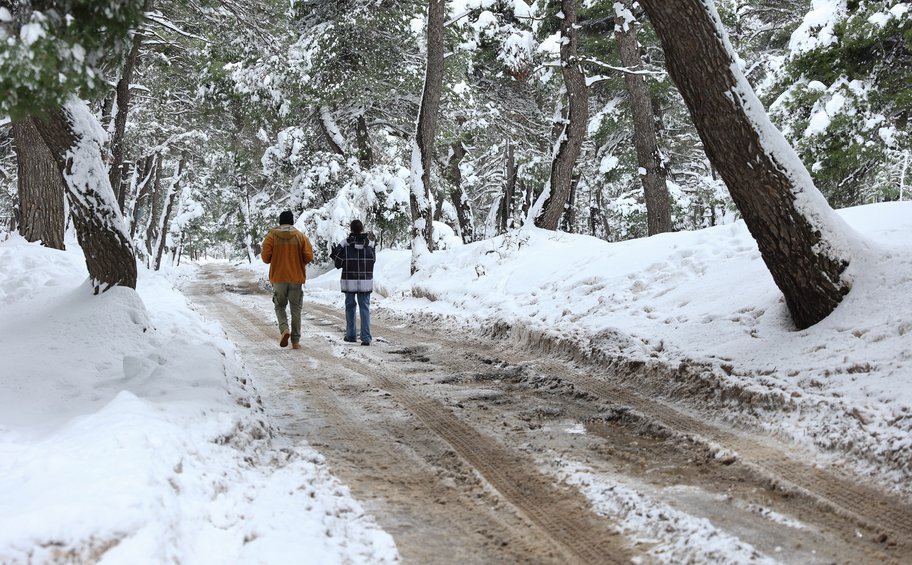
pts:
[502, 505]
[558, 516]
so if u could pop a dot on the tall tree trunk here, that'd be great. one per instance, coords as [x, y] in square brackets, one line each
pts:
[145, 169]
[41, 188]
[805, 245]
[547, 212]
[173, 191]
[527, 192]
[457, 194]
[155, 207]
[126, 187]
[421, 203]
[568, 220]
[362, 138]
[331, 131]
[74, 136]
[652, 169]
[597, 216]
[120, 119]
[506, 203]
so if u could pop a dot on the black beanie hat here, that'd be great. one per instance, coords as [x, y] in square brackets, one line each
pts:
[286, 218]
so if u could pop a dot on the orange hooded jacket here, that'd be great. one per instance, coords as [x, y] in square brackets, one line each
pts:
[287, 251]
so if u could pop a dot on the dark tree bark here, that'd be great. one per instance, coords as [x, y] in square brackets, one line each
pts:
[126, 168]
[571, 138]
[803, 243]
[122, 91]
[568, 220]
[41, 188]
[145, 168]
[166, 216]
[597, 216]
[362, 138]
[93, 207]
[420, 196]
[527, 192]
[457, 194]
[155, 208]
[506, 203]
[658, 202]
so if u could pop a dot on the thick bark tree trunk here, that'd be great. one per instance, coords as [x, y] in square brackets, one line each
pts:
[41, 188]
[804, 244]
[93, 206]
[116, 172]
[458, 195]
[557, 191]
[658, 202]
[362, 138]
[426, 130]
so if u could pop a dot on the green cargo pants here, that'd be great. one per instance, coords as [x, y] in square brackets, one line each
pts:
[284, 294]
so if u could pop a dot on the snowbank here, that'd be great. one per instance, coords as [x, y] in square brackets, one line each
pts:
[696, 317]
[130, 433]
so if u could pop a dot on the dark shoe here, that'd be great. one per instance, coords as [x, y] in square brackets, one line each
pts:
[365, 343]
[286, 335]
[349, 339]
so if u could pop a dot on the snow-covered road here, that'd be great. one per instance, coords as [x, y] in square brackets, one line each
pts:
[474, 449]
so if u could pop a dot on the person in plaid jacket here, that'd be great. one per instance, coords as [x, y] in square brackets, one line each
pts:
[356, 257]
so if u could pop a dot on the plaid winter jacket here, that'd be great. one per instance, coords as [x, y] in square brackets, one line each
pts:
[356, 256]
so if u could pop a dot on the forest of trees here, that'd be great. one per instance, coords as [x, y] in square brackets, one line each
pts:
[162, 129]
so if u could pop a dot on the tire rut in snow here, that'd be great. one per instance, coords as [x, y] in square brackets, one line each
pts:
[431, 521]
[561, 513]
[766, 456]
[877, 510]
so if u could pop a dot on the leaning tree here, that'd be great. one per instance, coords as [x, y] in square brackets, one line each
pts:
[53, 54]
[40, 188]
[805, 245]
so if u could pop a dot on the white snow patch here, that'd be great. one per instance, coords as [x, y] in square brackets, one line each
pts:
[31, 32]
[124, 435]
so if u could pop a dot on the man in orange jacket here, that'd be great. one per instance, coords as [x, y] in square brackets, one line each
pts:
[287, 252]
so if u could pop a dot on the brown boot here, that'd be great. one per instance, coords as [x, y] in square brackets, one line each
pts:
[286, 335]
[296, 345]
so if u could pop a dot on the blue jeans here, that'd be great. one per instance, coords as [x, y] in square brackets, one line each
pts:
[364, 301]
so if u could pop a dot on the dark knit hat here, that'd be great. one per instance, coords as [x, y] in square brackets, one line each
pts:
[356, 226]
[286, 218]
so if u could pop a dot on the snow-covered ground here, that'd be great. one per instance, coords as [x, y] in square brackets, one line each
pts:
[129, 430]
[704, 298]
